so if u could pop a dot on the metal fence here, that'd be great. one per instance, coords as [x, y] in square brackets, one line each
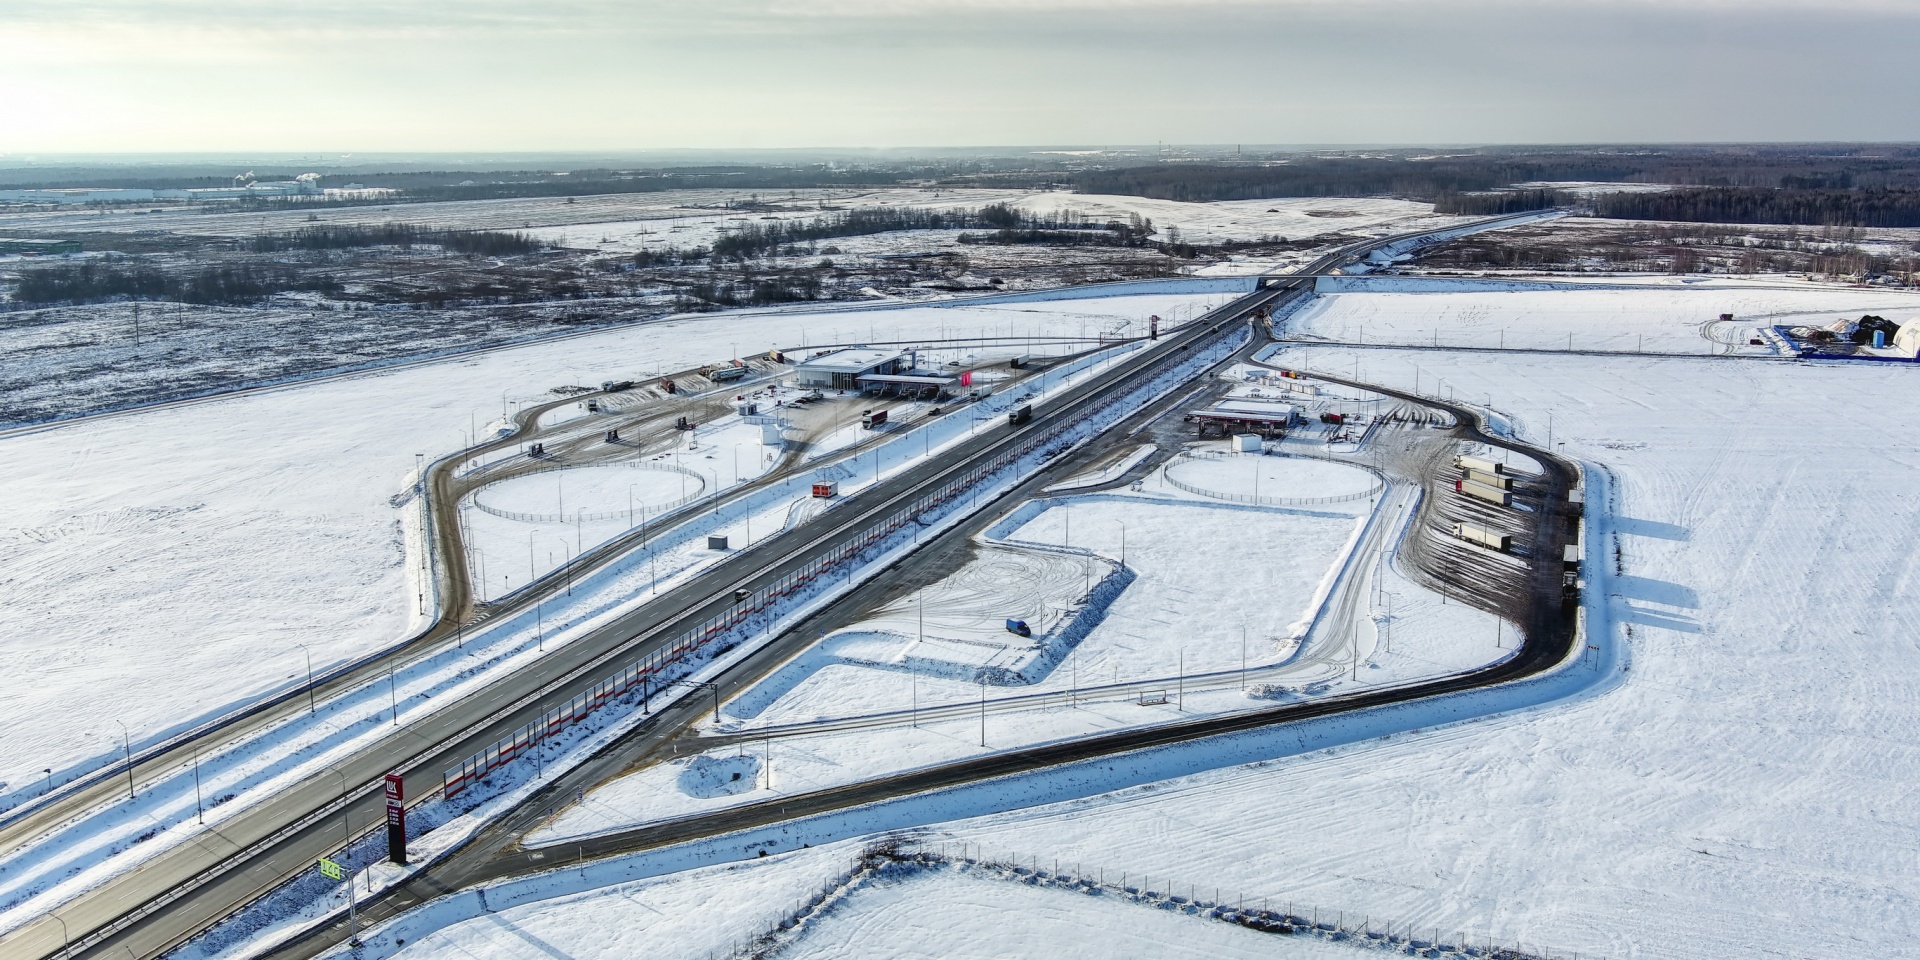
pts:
[607, 515]
[1166, 474]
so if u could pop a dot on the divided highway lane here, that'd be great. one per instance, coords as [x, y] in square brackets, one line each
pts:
[182, 891]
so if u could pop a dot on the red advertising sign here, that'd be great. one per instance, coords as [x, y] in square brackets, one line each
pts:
[396, 788]
[966, 379]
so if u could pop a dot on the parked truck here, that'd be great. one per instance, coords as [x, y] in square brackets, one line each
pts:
[1484, 537]
[1480, 464]
[726, 373]
[1492, 495]
[1494, 480]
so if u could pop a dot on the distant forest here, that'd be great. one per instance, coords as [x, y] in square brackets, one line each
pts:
[1010, 225]
[1749, 205]
[484, 243]
[91, 281]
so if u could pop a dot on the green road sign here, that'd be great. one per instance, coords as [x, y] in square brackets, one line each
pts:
[331, 870]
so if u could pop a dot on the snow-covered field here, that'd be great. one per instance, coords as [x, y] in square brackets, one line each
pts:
[964, 916]
[168, 565]
[1737, 788]
[688, 218]
[1184, 636]
[1615, 316]
[1742, 788]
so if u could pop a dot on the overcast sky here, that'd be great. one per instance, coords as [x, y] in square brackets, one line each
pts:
[156, 75]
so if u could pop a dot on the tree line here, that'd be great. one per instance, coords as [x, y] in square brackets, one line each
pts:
[761, 239]
[482, 243]
[1808, 207]
[93, 281]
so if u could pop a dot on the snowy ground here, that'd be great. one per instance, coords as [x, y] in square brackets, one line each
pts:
[688, 218]
[244, 532]
[944, 912]
[899, 687]
[1617, 316]
[966, 916]
[89, 848]
[1737, 786]
[1745, 777]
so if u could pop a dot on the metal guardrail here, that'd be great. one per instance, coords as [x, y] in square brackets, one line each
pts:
[1166, 474]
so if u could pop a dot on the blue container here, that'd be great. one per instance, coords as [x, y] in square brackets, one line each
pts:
[1879, 338]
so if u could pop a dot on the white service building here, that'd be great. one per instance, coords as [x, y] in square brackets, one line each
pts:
[842, 369]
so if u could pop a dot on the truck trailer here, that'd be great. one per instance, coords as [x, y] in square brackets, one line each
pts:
[1494, 480]
[1492, 495]
[1484, 537]
[1479, 463]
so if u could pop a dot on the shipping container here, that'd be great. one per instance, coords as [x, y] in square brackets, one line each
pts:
[1480, 464]
[1484, 492]
[1482, 536]
[1247, 443]
[826, 488]
[716, 541]
[1493, 480]
[1570, 557]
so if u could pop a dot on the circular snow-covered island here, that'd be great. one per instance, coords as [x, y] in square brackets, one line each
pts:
[1271, 480]
[602, 492]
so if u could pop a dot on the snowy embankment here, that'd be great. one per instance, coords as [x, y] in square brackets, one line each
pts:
[167, 566]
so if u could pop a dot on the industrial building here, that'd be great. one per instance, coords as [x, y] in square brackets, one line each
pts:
[1236, 415]
[842, 369]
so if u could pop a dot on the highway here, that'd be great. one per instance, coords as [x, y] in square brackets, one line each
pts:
[181, 891]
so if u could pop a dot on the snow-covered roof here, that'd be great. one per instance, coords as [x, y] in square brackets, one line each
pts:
[925, 380]
[1248, 410]
[854, 360]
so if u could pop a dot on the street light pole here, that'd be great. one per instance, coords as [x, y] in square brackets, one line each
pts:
[126, 743]
[303, 649]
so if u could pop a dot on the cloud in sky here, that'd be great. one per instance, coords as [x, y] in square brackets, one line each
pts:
[110, 75]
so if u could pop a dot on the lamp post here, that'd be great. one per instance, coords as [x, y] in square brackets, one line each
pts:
[66, 938]
[310, 705]
[126, 743]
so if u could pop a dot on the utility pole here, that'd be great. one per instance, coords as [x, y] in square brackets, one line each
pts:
[127, 743]
[983, 713]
